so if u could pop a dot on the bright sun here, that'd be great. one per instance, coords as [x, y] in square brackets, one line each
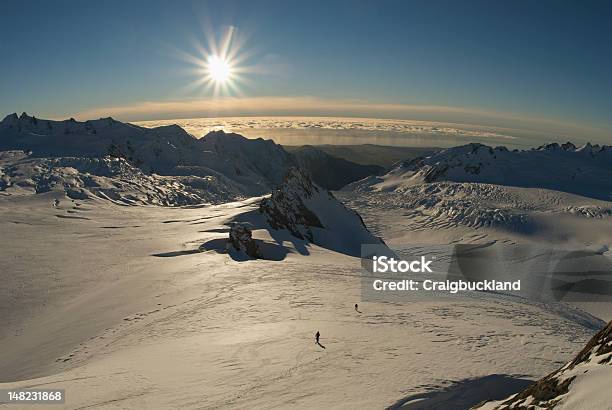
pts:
[220, 66]
[218, 69]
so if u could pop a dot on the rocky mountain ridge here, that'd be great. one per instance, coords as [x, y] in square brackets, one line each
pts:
[311, 213]
[585, 170]
[581, 383]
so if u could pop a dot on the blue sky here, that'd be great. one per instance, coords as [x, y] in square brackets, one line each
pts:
[500, 63]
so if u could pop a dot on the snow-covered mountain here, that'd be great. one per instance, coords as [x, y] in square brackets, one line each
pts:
[583, 383]
[247, 158]
[156, 149]
[585, 171]
[311, 213]
[253, 166]
[163, 165]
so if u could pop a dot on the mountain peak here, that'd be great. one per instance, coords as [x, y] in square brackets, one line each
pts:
[297, 183]
[583, 171]
[214, 133]
[220, 136]
[285, 209]
[10, 118]
[314, 214]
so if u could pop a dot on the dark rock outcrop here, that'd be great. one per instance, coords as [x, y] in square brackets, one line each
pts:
[311, 213]
[548, 392]
[285, 209]
[241, 240]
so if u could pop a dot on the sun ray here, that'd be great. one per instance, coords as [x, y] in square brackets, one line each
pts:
[219, 63]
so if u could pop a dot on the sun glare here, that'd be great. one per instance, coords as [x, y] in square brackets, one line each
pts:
[218, 69]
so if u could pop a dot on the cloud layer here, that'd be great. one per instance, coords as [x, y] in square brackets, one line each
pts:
[312, 106]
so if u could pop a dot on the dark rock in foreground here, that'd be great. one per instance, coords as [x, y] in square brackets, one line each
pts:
[575, 385]
[241, 240]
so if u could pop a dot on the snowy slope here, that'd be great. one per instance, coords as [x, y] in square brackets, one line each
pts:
[585, 171]
[121, 307]
[582, 383]
[109, 178]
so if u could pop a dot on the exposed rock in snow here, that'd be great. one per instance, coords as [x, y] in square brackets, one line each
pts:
[314, 214]
[584, 171]
[285, 209]
[582, 383]
[241, 240]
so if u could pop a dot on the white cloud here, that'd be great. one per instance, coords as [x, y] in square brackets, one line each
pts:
[313, 106]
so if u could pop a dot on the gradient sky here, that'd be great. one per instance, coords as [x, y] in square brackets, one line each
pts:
[547, 61]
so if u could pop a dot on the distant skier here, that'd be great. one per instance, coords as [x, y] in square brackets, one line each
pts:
[317, 336]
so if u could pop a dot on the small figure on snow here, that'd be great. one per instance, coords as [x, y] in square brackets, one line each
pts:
[317, 336]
